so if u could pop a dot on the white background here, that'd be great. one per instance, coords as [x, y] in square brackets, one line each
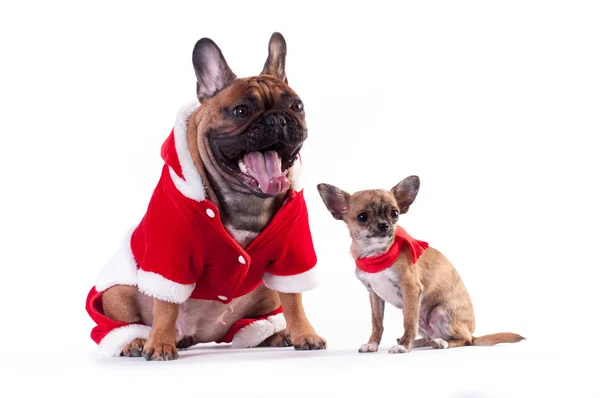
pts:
[494, 105]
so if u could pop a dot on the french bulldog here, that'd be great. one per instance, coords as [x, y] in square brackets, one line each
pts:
[224, 250]
[405, 272]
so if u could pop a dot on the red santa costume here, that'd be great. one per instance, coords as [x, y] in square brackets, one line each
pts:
[181, 250]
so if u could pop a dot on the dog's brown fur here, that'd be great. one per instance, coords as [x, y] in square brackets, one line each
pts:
[240, 210]
[243, 213]
[431, 293]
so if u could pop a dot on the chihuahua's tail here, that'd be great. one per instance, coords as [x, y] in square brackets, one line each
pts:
[497, 338]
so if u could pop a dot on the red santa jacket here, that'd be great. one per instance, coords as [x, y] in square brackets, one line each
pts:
[180, 249]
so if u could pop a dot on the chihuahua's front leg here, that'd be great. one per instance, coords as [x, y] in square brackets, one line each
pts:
[411, 291]
[301, 332]
[377, 310]
[161, 342]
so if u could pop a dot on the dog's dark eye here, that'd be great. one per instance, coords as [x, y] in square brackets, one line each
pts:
[297, 106]
[362, 217]
[395, 213]
[241, 111]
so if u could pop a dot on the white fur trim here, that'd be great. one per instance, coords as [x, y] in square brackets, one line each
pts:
[112, 344]
[253, 334]
[257, 332]
[155, 285]
[121, 269]
[294, 283]
[191, 185]
[296, 177]
[278, 321]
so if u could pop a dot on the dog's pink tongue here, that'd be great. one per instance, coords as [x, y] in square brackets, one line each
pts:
[266, 169]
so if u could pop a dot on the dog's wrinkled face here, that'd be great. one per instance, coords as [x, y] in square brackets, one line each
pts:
[256, 136]
[371, 215]
[249, 130]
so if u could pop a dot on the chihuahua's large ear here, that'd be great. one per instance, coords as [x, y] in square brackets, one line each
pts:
[212, 71]
[406, 192]
[335, 199]
[275, 64]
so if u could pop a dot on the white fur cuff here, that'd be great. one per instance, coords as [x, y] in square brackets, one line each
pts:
[294, 283]
[113, 343]
[257, 332]
[157, 286]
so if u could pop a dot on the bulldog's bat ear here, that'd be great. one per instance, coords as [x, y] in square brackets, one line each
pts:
[212, 71]
[335, 200]
[275, 64]
[406, 192]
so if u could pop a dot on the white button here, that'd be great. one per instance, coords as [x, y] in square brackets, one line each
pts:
[222, 298]
[241, 260]
[210, 213]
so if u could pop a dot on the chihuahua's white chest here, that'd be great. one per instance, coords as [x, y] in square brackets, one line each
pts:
[385, 284]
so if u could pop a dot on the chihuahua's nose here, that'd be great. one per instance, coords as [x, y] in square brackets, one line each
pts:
[383, 227]
[275, 120]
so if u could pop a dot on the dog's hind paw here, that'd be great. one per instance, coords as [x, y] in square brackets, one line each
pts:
[439, 344]
[185, 342]
[398, 349]
[280, 339]
[134, 348]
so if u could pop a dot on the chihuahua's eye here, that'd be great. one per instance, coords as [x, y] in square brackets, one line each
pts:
[297, 106]
[395, 213]
[241, 111]
[362, 217]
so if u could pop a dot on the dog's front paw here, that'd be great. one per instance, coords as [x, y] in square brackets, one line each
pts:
[160, 351]
[369, 347]
[398, 349]
[310, 341]
[134, 348]
[405, 341]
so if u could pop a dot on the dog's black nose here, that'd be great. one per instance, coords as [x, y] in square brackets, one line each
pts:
[383, 227]
[275, 120]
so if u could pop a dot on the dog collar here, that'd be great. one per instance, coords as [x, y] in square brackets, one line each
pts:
[383, 261]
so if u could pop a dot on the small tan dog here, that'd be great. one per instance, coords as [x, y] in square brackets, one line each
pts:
[405, 272]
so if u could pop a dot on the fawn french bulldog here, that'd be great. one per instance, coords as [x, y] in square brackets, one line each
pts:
[224, 249]
[405, 272]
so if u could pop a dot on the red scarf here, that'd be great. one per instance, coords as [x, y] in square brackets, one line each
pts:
[379, 263]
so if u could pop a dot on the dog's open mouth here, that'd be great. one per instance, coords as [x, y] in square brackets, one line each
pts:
[265, 171]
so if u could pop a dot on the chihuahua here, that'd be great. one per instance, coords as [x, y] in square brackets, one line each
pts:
[405, 272]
